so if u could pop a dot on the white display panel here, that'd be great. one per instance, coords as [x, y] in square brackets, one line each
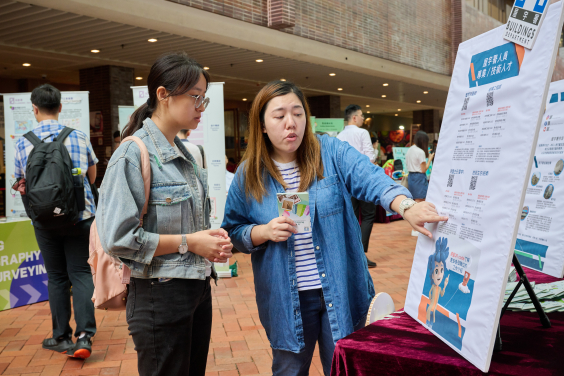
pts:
[19, 119]
[540, 241]
[494, 108]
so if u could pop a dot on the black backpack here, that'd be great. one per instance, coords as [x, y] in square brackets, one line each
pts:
[51, 199]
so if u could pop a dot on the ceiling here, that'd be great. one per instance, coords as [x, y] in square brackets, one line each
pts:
[57, 45]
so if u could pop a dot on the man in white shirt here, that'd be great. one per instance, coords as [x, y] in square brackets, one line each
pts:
[359, 139]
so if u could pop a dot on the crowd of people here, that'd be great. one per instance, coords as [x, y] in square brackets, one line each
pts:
[312, 286]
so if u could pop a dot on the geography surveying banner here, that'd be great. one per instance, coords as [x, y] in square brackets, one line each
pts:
[23, 278]
[493, 113]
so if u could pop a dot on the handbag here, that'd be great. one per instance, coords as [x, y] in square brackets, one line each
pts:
[110, 275]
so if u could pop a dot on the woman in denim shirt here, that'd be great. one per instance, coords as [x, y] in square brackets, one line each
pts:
[298, 307]
[169, 307]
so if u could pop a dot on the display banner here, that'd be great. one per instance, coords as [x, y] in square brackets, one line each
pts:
[124, 113]
[490, 127]
[19, 119]
[329, 125]
[399, 153]
[540, 241]
[211, 135]
[23, 278]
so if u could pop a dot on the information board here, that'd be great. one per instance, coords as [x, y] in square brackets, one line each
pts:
[490, 126]
[524, 22]
[19, 119]
[540, 241]
[23, 277]
[329, 125]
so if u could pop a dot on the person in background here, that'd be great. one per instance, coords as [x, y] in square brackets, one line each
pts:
[418, 160]
[231, 165]
[196, 150]
[117, 140]
[65, 250]
[311, 286]
[434, 148]
[228, 175]
[359, 139]
[380, 156]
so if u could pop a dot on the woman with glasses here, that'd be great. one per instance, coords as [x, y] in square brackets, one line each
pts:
[169, 306]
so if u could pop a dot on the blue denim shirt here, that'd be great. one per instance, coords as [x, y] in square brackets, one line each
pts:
[175, 207]
[346, 283]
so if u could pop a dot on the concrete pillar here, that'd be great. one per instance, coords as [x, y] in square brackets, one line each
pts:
[325, 106]
[429, 120]
[109, 87]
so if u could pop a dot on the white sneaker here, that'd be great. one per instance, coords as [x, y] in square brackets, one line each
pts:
[414, 233]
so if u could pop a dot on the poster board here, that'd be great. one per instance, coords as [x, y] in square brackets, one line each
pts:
[399, 153]
[211, 135]
[23, 277]
[124, 113]
[329, 125]
[540, 241]
[491, 123]
[19, 119]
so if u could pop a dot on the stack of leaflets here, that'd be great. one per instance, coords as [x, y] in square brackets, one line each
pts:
[550, 295]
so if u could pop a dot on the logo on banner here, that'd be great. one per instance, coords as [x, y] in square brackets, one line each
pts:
[497, 64]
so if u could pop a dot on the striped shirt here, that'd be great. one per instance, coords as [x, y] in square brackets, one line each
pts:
[306, 265]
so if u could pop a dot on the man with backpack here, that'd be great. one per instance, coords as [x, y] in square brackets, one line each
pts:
[58, 164]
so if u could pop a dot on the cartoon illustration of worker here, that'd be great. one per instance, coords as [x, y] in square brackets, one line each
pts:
[437, 266]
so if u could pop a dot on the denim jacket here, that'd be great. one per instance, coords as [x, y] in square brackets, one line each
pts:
[346, 283]
[175, 207]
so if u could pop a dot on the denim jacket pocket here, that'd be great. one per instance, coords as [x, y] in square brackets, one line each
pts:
[168, 200]
[329, 199]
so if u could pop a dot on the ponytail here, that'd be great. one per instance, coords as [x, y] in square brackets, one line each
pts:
[177, 73]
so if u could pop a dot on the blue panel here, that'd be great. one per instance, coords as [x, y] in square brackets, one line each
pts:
[520, 3]
[494, 65]
[539, 6]
[554, 98]
[530, 247]
[561, 97]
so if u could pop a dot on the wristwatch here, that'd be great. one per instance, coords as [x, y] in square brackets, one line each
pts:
[183, 247]
[405, 204]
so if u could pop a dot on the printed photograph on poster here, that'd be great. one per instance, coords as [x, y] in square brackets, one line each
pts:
[540, 240]
[96, 124]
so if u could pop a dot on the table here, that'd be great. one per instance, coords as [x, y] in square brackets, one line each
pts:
[23, 278]
[402, 346]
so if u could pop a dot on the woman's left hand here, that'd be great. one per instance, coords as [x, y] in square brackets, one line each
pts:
[421, 213]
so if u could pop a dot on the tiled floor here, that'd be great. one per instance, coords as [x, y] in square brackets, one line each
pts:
[239, 345]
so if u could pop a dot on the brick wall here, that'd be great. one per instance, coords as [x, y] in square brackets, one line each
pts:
[475, 22]
[109, 87]
[412, 32]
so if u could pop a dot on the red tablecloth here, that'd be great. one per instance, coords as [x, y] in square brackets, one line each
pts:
[402, 346]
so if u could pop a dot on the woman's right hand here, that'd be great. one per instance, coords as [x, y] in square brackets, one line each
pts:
[214, 245]
[279, 229]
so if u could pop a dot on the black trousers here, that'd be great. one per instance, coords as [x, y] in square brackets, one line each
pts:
[65, 253]
[170, 323]
[368, 211]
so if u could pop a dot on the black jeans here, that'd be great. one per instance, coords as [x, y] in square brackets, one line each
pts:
[170, 323]
[368, 211]
[65, 253]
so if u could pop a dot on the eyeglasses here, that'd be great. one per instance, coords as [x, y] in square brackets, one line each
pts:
[200, 100]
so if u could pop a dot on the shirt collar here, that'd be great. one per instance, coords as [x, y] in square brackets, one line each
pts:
[164, 150]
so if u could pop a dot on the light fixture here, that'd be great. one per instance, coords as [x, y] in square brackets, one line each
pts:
[138, 78]
[152, 40]
[367, 112]
[402, 127]
[340, 89]
[384, 96]
[425, 92]
[206, 68]
[384, 84]
[283, 79]
[26, 64]
[332, 74]
[396, 115]
[244, 99]
[95, 51]
[367, 105]
[418, 101]
[399, 109]
[259, 60]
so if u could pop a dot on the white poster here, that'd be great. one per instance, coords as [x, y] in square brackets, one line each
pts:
[211, 134]
[19, 119]
[540, 241]
[494, 108]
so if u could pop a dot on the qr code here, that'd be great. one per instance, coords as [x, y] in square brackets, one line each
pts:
[489, 99]
[450, 180]
[465, 105]
[473, 182]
